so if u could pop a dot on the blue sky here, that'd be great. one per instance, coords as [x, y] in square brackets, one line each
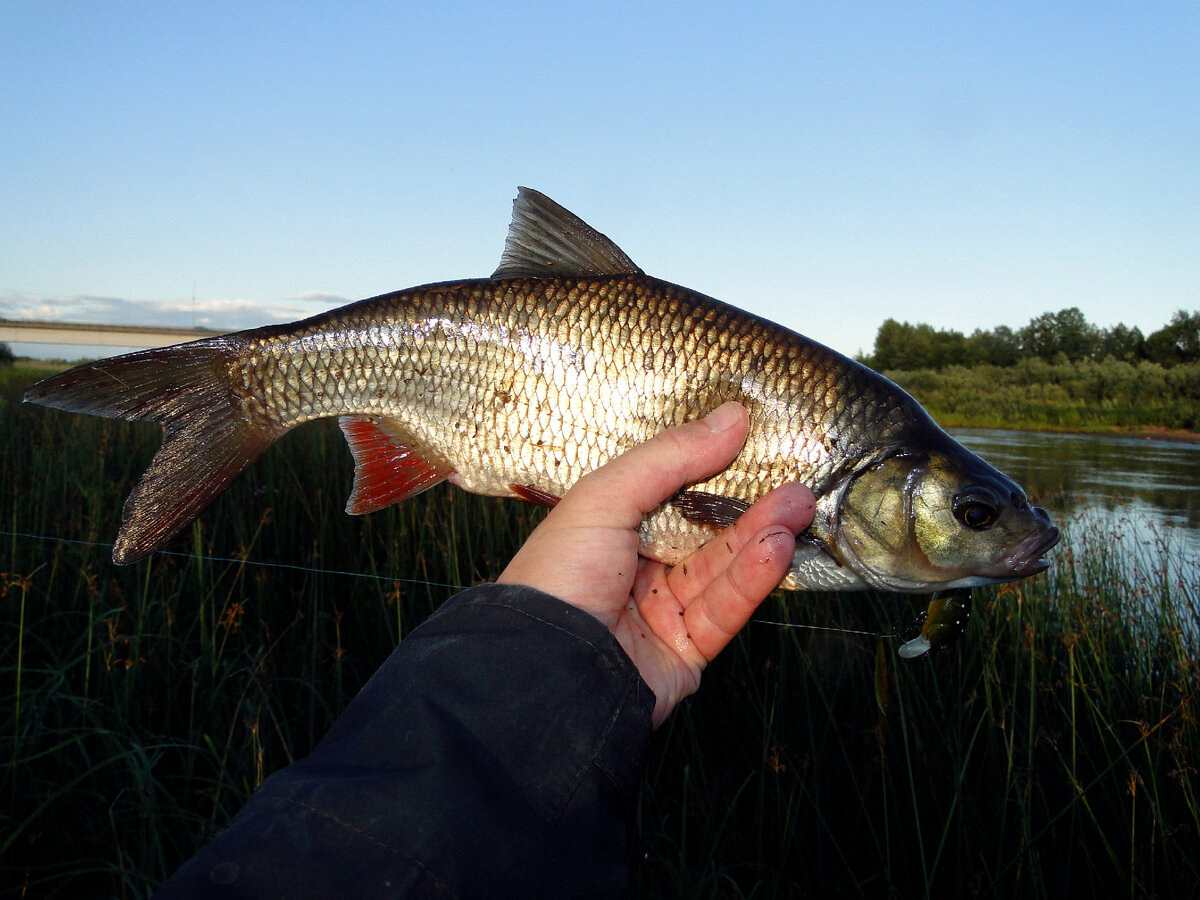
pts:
[826, 165]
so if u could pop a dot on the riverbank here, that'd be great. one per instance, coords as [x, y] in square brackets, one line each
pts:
[43, 365]
[1143, 433]
[1177, 435]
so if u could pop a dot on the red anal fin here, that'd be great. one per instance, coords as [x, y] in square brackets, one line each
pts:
[389, 466]
[709, 509]
[530, 494]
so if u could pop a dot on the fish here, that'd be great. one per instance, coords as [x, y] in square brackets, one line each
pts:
[518, 384]
[938, 626]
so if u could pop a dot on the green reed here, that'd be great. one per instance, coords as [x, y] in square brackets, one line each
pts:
[1051, 750]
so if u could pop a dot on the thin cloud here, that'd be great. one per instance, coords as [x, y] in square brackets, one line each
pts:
[320, 298]
[218, 315]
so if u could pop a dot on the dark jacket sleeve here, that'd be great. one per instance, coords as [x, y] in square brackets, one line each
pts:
[496, 753]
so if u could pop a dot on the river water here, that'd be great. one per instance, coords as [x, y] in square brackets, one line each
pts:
[1146, 493]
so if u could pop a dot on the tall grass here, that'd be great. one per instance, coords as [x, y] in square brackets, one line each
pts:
[1052, 750]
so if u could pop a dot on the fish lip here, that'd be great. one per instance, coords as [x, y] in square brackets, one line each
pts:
[1027, 557]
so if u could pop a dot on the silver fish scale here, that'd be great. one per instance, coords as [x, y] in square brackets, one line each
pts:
[533, 382]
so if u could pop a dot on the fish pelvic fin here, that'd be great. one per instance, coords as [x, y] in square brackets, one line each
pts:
[208, 436]
[546, 240]
[389, 464]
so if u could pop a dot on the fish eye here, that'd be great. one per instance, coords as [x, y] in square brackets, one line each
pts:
[977, 508]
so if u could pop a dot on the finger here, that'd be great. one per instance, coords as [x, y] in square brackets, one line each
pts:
[620, 492]
[789, 506]
[599, 516]
[724, 607]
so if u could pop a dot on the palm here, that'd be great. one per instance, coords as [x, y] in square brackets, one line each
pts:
[670, 620]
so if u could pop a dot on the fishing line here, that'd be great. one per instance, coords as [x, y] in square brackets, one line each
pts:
[821, 628]
[316, 571]
[243, 562]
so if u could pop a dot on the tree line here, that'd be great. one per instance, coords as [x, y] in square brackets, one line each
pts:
[1063, 336]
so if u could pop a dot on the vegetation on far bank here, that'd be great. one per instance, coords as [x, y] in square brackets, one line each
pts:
[1058, 372]
[1063, 395]
[1063, 336]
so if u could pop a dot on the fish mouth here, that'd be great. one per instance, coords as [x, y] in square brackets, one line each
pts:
[1027, 557]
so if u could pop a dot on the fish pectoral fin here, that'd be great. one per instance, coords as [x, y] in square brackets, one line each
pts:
[704, 508]
[389, 464]
[547, 241]
[814, 568]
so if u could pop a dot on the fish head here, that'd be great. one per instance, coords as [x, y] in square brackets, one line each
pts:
[941, 519]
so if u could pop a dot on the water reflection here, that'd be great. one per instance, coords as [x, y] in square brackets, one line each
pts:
[1145, 491]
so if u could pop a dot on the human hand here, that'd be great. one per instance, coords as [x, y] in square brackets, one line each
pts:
[671, 620]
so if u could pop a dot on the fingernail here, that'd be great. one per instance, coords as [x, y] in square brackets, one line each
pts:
[724, 417]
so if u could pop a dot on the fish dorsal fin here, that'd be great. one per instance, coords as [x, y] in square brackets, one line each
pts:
[546, 241]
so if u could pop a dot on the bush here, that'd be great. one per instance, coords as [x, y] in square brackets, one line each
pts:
[6, 355]
[1036, 393]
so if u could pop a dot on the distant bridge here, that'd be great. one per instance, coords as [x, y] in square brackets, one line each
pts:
[29, 332]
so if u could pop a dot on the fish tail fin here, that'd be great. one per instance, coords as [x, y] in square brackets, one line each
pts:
[208, 437]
